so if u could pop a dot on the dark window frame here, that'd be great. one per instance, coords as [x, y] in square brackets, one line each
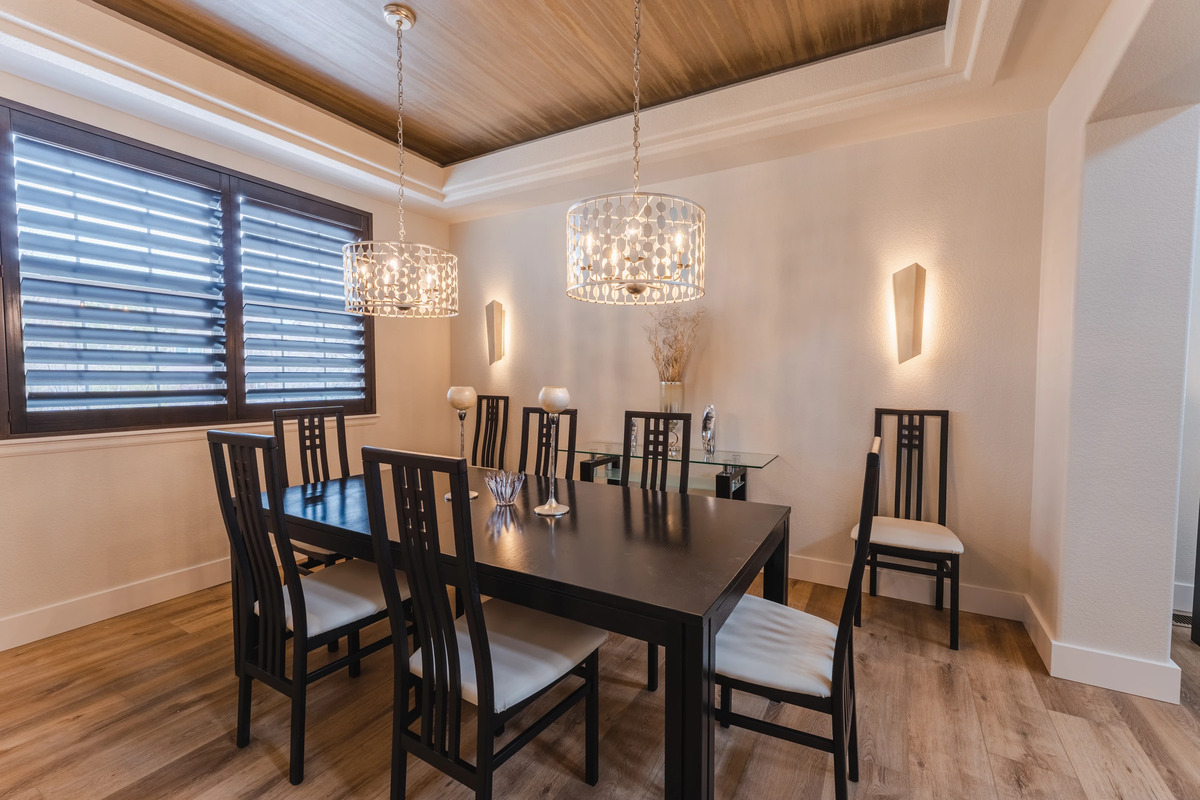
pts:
[14, 421]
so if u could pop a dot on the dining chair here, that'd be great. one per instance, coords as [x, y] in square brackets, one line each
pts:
[497, 656]
[906, 534]
[491, 431]
[541, 451]
[273, 603]
[785, 655]
[312, 434]
[658, 430]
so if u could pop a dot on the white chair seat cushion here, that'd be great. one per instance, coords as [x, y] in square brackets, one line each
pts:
[530, 650]
[912, 534]
[773, 645]
[340, 594]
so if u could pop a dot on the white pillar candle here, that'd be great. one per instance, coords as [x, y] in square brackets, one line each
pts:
[554, 399]
[461, 397]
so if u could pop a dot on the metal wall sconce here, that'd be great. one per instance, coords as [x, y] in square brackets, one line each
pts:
[494, 311]
[908, 290]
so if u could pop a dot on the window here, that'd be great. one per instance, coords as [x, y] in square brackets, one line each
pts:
[142, 288]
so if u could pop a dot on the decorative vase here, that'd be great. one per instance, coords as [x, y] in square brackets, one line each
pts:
[670, 399]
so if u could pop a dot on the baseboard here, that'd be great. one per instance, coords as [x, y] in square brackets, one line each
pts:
[1154, 679]
[1183, 597]
[29, 626]
[914, 588]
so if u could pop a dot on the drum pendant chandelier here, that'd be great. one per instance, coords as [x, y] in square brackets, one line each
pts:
[635, 248]
[400, 278]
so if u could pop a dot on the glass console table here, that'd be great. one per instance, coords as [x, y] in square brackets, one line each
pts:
[601, 457]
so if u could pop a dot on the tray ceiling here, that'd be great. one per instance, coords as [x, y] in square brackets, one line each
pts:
[482, 75]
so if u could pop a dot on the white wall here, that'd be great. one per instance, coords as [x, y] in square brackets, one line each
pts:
[97, 525]
[799, 342]
[1115, 287]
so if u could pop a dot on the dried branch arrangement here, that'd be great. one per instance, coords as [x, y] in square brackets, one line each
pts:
[672, 334]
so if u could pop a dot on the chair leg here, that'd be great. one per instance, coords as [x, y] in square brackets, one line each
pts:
[299, 690]
[484, 754]
[858, 612]
[592, 720]
[954, 602]
[871, 559]
[840, 788]
[652, 667]
[399, 755]
[726, 705]
[852, 766]
[352, 644]
[245, 686]
[940, 580]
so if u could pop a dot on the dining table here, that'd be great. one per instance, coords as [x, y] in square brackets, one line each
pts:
[663, 567]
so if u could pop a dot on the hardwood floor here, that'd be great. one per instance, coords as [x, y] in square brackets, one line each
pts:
[142, 706]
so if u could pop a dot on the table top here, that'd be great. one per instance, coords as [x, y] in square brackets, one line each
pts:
[628, 547]
[721, 458]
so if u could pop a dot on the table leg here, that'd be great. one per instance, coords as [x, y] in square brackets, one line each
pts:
[688, 763]
[775, 575]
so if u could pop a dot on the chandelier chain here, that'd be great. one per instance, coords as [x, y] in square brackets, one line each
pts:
[400, 124]
[637, 91]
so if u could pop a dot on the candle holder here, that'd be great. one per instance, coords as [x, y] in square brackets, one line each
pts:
[462, 398]
[554, 400]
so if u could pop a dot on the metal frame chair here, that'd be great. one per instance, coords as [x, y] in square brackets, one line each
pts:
[768, 634]
[541, 452]
[457, 661]
[268, 610]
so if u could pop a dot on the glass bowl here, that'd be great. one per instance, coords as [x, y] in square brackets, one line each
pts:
[504, 485]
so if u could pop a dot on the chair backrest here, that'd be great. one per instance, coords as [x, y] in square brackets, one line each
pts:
[656, 440]
[842, 649]
[416, 536]
[259, 639]
[313, 436]
[911, 432]
[491, 431]
[541, 451]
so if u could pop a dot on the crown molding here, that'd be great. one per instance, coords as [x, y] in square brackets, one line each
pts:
[69, 45]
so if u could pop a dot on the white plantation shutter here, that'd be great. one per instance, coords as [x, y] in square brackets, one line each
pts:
[121, 283]
[143, 288]
[300, 346]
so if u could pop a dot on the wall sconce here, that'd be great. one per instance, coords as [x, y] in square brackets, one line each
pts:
[908, 289]
[494, 312]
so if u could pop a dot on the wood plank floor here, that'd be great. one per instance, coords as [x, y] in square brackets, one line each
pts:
[142, 706]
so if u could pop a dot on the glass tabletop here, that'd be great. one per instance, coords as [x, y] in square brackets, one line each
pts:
[721, 458]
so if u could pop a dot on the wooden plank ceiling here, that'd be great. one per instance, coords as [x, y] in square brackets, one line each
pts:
[481, 75]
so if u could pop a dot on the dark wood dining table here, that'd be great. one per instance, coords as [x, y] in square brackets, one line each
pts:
[657, 566]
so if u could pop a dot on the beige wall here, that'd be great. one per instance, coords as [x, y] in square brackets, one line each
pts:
[799, 343]
[101, 524]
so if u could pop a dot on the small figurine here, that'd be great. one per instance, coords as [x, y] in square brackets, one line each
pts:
[708, 430]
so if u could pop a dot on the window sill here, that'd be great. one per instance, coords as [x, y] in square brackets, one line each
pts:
[71, 443]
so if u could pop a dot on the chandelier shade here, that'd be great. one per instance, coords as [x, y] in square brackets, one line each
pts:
[400, 279]
[635, 249]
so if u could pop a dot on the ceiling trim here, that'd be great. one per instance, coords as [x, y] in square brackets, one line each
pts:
[964, 55]
[66, 44]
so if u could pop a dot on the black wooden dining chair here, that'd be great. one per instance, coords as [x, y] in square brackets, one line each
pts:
[497, 656]
[312, 434]
[273, 603]
[785, 655]
[541, 449]
[658, 430]
[491, 431]
[906, 534]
